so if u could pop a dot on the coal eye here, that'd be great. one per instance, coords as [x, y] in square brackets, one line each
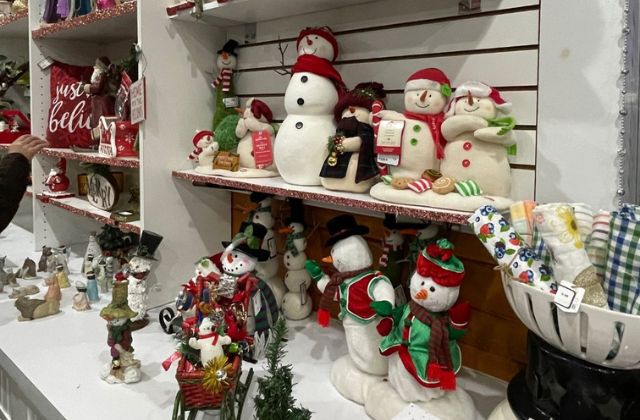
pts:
[432, 289]
[422, 284]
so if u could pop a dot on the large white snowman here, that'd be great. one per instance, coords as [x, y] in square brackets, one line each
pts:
[477, 147]
[424, 356]
[356, 286]
[312, 93]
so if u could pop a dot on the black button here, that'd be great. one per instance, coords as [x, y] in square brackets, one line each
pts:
[298, 125]
[300, 101]
[304, 79]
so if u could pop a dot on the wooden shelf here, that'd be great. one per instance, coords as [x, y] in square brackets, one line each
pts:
[82, 207]
[92, 158]
[238, 12]
[117, 23]
[16, 25]
[277, 186]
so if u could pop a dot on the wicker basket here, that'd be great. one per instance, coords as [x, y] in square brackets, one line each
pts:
[600, 336]
[193, 393]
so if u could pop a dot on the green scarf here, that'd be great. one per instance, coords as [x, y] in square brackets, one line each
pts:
[507, 124]
[289, 246]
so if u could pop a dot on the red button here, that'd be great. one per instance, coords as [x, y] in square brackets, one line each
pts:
[467, 145]
[466, 163]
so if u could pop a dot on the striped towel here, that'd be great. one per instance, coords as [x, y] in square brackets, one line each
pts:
[468, 188]
[599, 242]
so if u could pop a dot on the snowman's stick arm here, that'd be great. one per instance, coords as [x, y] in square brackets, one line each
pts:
[352, 144]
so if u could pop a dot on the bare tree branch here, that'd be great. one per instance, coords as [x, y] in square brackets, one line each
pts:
[283, 70]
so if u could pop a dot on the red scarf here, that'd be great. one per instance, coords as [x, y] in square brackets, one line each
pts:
[311, 64]
[213, 334]
[224, 77]
[433, 122]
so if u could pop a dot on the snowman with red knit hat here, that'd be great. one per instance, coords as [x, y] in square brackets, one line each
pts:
[424, 356]
[478, 131]
[201, 142]
[313, 91]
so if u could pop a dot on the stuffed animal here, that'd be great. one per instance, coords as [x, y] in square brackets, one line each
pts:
[209, 342]
[226, 101]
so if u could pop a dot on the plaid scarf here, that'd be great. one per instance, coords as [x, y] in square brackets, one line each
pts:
[337, 279]
[440, 366]
[224, 77]
[289, 246]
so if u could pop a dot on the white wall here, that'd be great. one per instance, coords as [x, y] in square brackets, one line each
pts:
[580, 56]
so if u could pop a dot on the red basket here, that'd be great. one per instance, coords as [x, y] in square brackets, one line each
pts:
[193, 393]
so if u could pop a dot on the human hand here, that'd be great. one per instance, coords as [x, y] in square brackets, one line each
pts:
[28, 146]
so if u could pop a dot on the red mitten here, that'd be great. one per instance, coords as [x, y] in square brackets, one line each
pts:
[384, 326]
[459, 314]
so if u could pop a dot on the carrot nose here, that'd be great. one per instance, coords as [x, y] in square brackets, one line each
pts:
[229, 258]
[469, 98]
[225, 55]
[423, 96]
[422, 294]
[239, 110]
[352, 109]
[328, 260]
[286, 229]
[309, 41]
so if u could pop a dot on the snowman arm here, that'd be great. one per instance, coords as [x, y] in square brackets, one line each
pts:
[382, 290]
[459, 315]
[193, 343]
[458, 124]
[224, 340]
[352, 144]
[387, 114]
[490, 135]
[241, 128]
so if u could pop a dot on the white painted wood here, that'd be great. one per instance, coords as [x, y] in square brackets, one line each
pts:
[526, 143]
[475, 33]
[579, 101]
[523, 184]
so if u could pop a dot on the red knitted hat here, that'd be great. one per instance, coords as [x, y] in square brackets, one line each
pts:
[431, 78]
[363, 95]
[324, 32]
[260, 109]
[200, 135]
[482, 90]
[438, 262]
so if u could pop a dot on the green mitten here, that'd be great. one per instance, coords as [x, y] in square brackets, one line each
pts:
[314, 270]
[382, 307]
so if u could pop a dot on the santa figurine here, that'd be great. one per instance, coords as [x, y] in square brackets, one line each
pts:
[424, 356]
[356, 286]
[226, 100]
[478, 132]
[351, 164]
[102, 94]
[311, 96]
[201, 141]
[57, 182]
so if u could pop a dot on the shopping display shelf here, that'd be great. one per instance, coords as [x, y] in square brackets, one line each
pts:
[15, 25]
[29, 192]
[92, 158]
[278, 187]
[237, 12]
[82, 207]
[116, 23]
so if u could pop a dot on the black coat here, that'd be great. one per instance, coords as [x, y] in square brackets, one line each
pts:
[14, 178]
[367, 169]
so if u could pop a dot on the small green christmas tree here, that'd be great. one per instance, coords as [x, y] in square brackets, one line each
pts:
[274, 400]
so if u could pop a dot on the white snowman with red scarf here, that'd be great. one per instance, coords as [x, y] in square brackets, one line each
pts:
[313, 91]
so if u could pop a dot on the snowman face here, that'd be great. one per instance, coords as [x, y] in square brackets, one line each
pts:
[139, 265]
[294, 262]
[226, 61]
[237, 263]
[297, 227]
[310, 94]
[479, 107]
[205, 141]
[264, 218]
[351, 254]
[205, 327]
[117, 322]
[316, 45]
[427, 233]
[361, 114]
[429, 102]
[430, 295]
[394, 237]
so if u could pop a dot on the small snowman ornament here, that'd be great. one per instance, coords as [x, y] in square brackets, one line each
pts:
[209, 342]
[424, 356]
[478, 131]
[203, 142]
[226, 100]
[351, 164]
[313, 92]
[356, 286]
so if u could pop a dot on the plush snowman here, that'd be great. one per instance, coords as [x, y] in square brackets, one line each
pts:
[226, 101]
[209, 342]
[297, 302]
[351, 164]
[356, 286]
[312, 93]
[477, 140]
[202, 140]
[424, 356]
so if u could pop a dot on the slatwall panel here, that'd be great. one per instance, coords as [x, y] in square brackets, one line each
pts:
[498, 45]
[484, 347]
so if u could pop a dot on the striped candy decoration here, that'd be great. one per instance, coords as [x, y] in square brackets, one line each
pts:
[420, 185]
[386, 178]
[384, 258]
[468, 188]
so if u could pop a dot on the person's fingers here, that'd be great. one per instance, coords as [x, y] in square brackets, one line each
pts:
[22, 139]
[35, 141]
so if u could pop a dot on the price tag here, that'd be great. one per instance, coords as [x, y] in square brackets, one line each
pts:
[262, 148]
[271, 245]
[45, 63]
[568, 298]
[389, 142]
[232, 102]
[138, 101]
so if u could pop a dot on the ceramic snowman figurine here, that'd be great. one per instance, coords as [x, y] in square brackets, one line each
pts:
[202, 141]
[136, 273]
[268, 270]
[226, 100]
[424, 356]
[351, 164]
[297, 302]
[477, 140]
[209, 342]
[57, 182]
[312, 93]
[356, 286]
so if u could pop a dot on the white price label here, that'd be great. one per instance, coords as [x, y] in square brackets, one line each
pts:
[393, 160]
[257, 302]
[232, 102]
[568, 298]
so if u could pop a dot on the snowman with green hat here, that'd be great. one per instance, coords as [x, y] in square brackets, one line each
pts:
[424, 356]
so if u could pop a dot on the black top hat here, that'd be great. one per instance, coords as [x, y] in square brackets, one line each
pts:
[149, 243]
[297, 212]
[230, 47]
[257, 197]
[254, 234]
[343, 226]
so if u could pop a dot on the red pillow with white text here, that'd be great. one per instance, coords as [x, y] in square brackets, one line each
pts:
[69, 122]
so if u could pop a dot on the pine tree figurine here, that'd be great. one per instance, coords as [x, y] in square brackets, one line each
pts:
[274, 400]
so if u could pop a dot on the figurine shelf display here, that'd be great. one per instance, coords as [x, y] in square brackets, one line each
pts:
[7, 278]
[310, 98]
[57, 183]
[40, 308]
[28, 270]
